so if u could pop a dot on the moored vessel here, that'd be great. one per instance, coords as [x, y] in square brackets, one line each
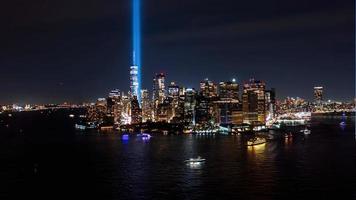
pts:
[195, 160]
[256, 141]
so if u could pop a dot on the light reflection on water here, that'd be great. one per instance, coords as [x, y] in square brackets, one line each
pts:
[322, 162]
[195, 165]
[257, 149]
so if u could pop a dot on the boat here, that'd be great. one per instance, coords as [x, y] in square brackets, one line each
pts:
[80, 127]
[125, 137]
[86, 126]
[146, 136]
[306, 131]
[256, 141]
[195, 160]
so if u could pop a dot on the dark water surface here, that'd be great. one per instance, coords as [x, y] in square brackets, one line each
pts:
[43, 157]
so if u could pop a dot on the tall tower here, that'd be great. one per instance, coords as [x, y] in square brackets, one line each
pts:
[229, 90]
[134, 85]
[159, 89]
[318, 94]
[135, 70]
[146, 106]
[254, 102]
[208, 88]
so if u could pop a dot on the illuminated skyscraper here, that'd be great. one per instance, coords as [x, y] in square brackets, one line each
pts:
[229, 90]
[173, 91]
[135, 71]
[202, 115]
[177, 106]
[126, 109]
[189, 106]
[254, 102]
[229, 111]
[164, 111]
[159, 92]
[159, 89]
[146, 106]
[229, 105]
[136, 112]
[134, 81]
[173, 96]
[208, 89]
[318, 94]
[114, 106]
[271, 103]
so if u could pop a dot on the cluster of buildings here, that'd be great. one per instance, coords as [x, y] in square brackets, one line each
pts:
[204, 108]
[214, 104]
[36, 107]
[223, 104]
[318, 105]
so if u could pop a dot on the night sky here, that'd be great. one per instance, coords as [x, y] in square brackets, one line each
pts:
[78, 50]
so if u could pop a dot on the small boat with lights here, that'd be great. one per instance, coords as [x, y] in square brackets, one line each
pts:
[256, 141]
[144, 136]
[306, 131]
[125, 137]
[195, 160]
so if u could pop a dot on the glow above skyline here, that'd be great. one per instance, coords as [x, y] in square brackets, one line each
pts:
[136, 54]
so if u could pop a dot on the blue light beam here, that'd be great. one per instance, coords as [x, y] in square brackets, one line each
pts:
[136, 30]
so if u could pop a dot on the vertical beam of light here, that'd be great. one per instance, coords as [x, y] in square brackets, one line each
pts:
[355, 69]
[136, 30]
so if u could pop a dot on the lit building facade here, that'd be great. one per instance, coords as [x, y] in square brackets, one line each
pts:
[114, 106]
[126, 109]
[318, 94]
[208, 89]
[134, 84]
[189, 106]
[271, 103]
[254, 102]
[146, 106]
[136, 112]
[229, 111]
[173, 96]
[173, 90]
[98, 111]
[164, 111]
[159, 91]
[179, 108]
[202, 115]
[229, 90]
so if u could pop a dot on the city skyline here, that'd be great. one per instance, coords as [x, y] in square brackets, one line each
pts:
[71, 60]
[182, 99]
